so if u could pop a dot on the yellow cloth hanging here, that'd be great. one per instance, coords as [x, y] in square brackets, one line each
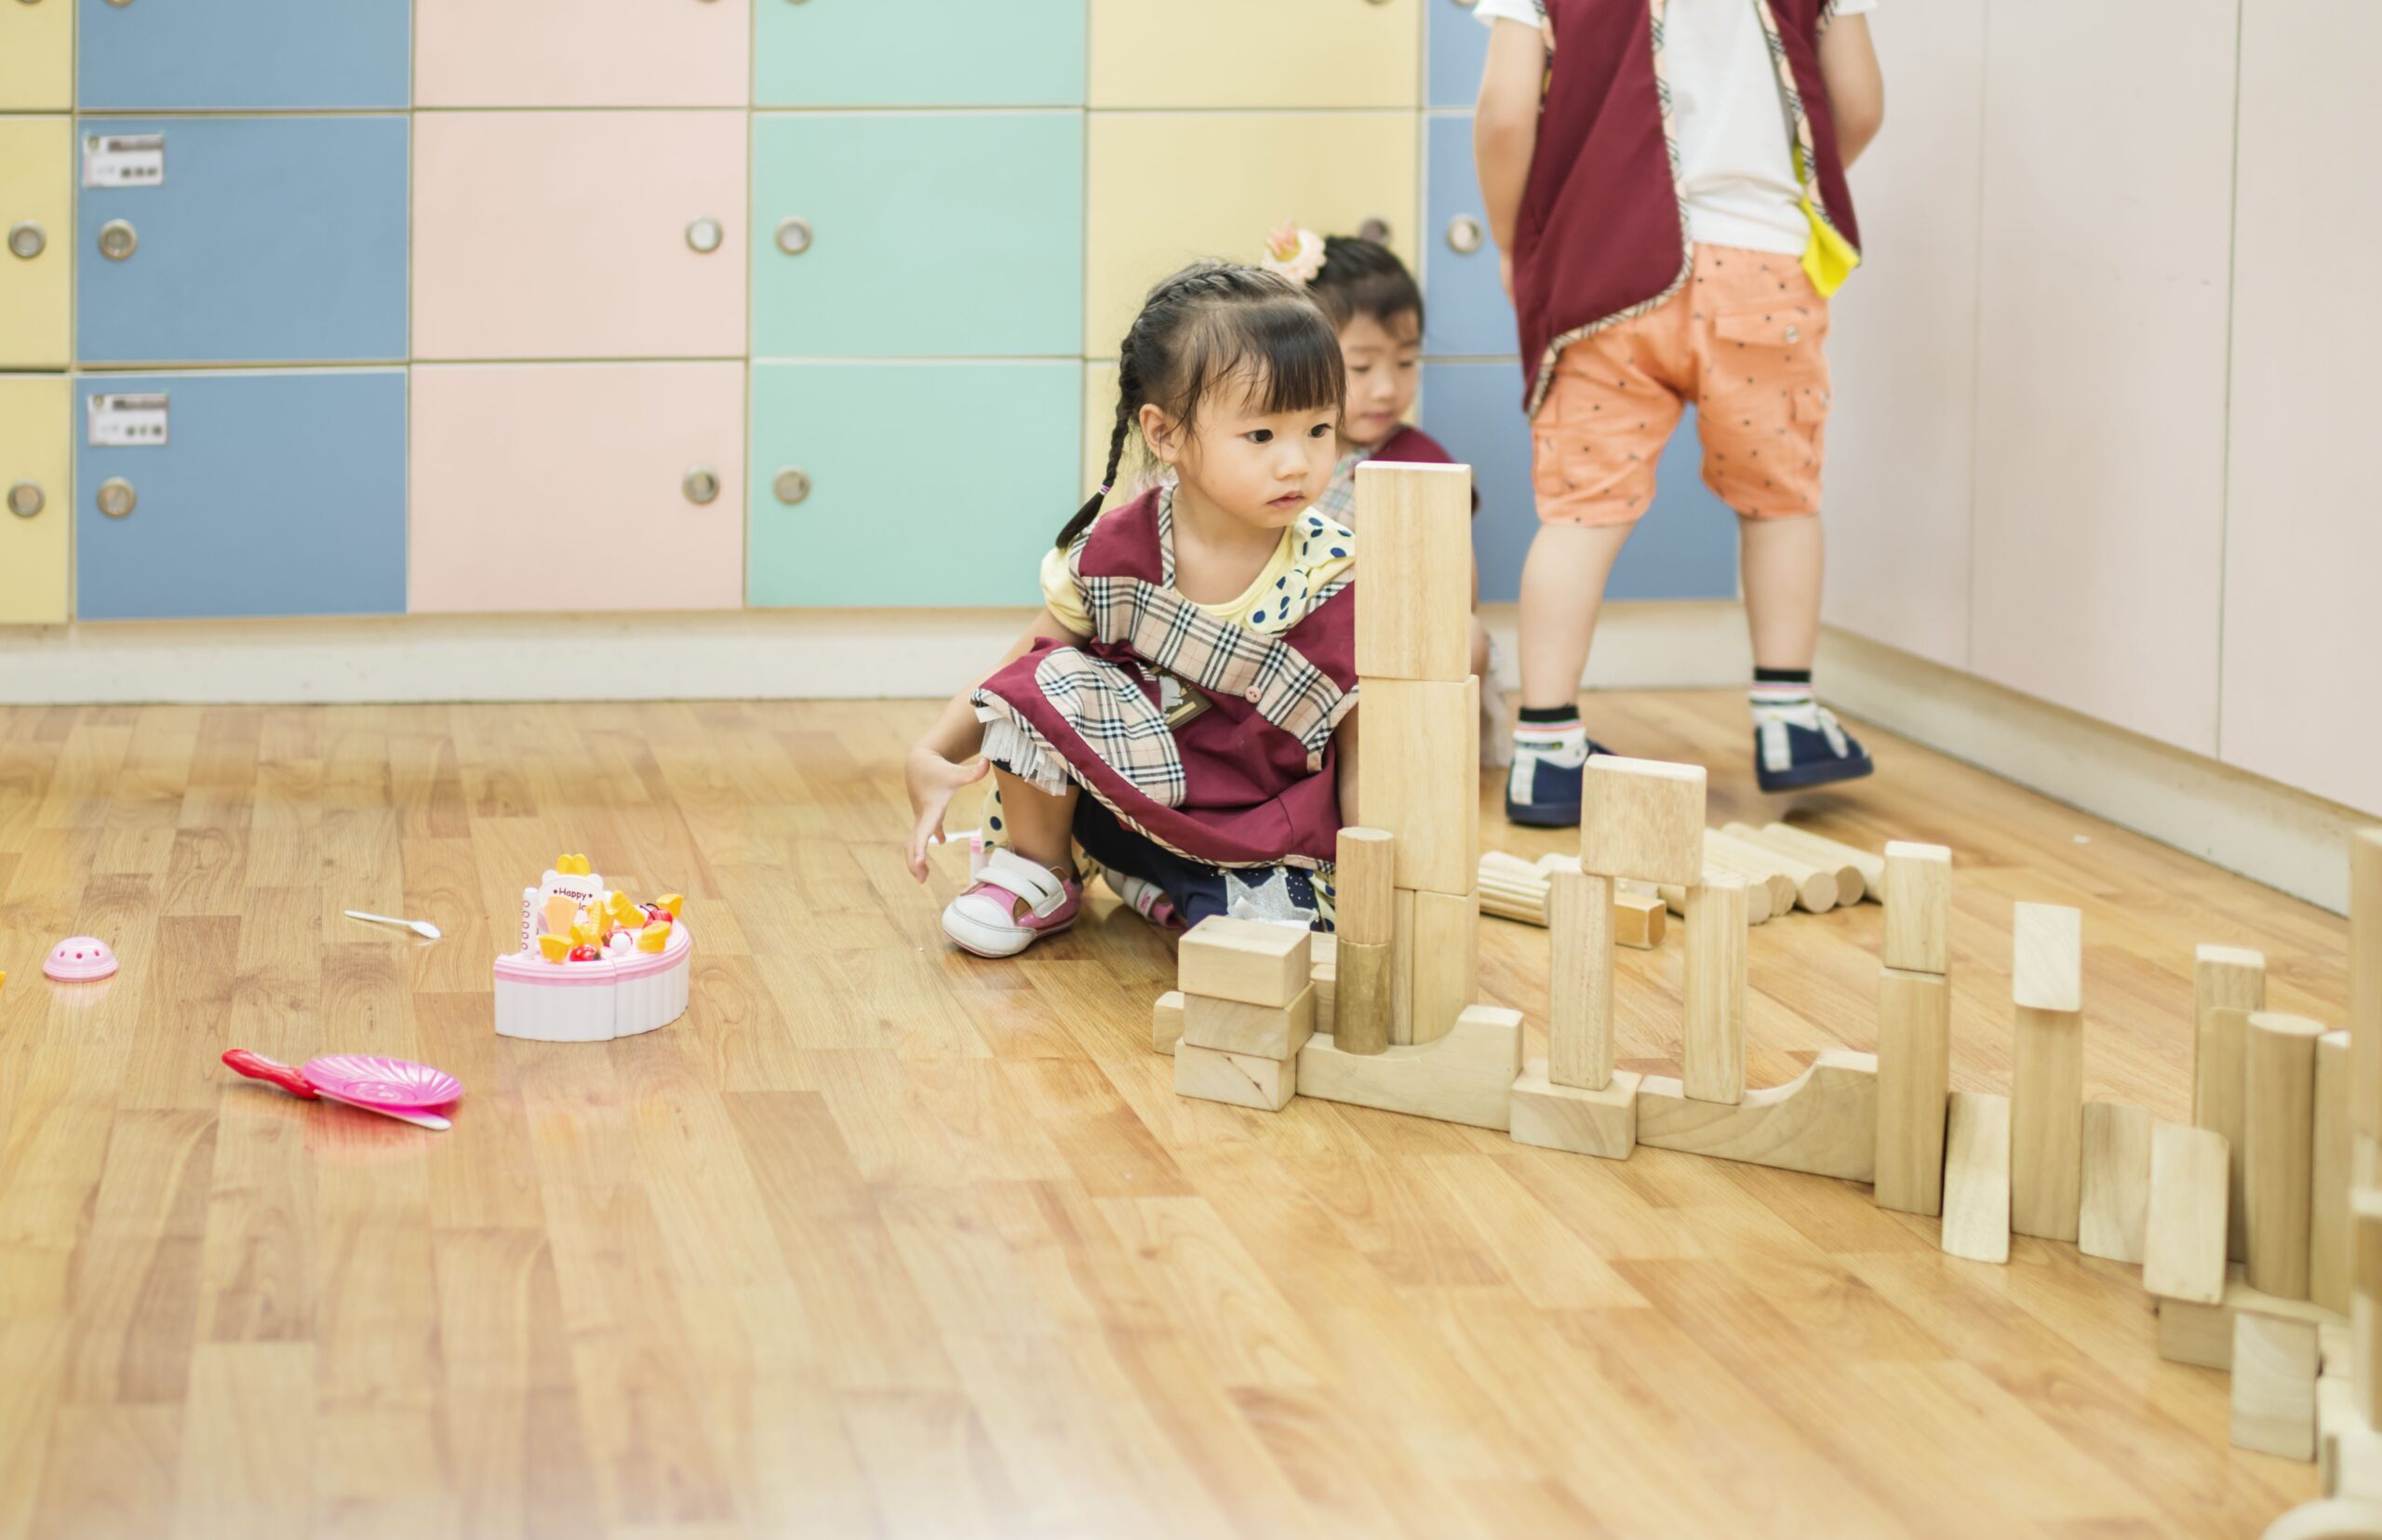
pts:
[1828, 258]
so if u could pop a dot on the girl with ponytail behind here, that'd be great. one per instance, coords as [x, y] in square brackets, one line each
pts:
[1181, 712]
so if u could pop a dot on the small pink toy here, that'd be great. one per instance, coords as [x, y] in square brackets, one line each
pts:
[80, 960]
[392, 1088]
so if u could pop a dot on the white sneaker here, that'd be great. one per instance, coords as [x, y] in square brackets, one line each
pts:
[1013, 904]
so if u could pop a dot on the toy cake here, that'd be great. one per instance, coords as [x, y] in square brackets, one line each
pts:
[593, 964]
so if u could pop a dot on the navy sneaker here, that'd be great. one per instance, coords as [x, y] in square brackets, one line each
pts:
[1542, 789]
[1804, 745]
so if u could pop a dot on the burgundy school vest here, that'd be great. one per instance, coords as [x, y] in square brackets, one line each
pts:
[1602, 235]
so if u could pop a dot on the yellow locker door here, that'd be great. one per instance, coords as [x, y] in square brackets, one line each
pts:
[1166, 188]
[37, 227]
[37, 499]
[1257, 53]
[37, 56]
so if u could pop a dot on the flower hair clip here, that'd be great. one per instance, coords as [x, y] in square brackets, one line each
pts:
[1295, 253]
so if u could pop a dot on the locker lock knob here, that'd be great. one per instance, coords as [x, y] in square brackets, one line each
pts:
[791, 485]
[25, 498]
[118, 240]
[1464, 234]
[794, 236]
[117, 498]
[26, 240]
[701, 485]
[704, 235]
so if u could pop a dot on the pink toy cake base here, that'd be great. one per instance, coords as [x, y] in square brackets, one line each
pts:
[593, 1002]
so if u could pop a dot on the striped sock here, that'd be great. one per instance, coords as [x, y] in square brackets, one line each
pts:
[1784, 695]
[1552, 736]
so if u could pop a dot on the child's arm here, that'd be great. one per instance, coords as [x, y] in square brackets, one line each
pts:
[1856, 87]
[935, 770]
[1504, 129]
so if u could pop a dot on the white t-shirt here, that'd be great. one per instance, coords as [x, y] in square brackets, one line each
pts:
[1737, 174]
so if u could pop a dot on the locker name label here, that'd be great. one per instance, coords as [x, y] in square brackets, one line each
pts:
[124, 160]
[128, 421]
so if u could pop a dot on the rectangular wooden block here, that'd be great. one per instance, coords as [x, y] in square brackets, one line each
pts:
[1825, 1121]
[1914, 1083]
[1640, 920]
[1166, 1022]
[2047, 958]
[1415, 606]
[2203, 1334]
[2274, 1386]
[2279, 1125]
[1420, 745]
[1447, 971]
[2365, 984]
[2115, 1201]
[1919, 906]
[1364, 873]
[1602, 1122]
[1234, 1027]
[1401, 966]
[2183, 1238]
[2328, 1187]
[1236, 1079]
[1712, 1050]
[2366, 1297]
[2199, 1334]
[2046, 1122]
[1360, 1006]
[1243, 960]
[2228, 984]
[1466, 1076]
[1642, 819]
[1580, 922]
[1977, 1177]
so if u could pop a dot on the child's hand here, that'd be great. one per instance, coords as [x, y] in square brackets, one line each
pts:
[933, 781]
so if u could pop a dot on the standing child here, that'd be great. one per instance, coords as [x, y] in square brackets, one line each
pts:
[1194, 668]
[1375, 305]
[1666, 181]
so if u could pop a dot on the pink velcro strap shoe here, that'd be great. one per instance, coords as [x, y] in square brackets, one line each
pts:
[1013, 904]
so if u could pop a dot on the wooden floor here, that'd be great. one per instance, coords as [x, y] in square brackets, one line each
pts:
[883, 1240]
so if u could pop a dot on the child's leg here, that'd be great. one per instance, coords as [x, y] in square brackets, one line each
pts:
[1782, 562]
[1563, 581]
[1037, 825]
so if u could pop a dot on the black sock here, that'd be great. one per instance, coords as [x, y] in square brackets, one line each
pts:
[1782, 675]
[1550, 716]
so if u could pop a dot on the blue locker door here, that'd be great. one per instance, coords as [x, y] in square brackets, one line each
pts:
[274, 494]
[1685, 547]
[271, 240]
[1465, 306]
[1459, 46]
[153, 55]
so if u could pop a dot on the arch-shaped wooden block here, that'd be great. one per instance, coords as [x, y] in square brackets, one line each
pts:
[1823, 1121]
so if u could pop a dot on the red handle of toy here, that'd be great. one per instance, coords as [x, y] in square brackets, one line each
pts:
[256, 1066]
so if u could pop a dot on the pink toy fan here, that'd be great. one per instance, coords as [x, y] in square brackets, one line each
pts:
[79, 959]
[392, 1088]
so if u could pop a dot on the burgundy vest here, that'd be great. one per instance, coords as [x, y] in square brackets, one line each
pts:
[1602, 235]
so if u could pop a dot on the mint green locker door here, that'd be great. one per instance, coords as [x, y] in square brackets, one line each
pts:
[918, 53]
[917, 235]
[910, 484]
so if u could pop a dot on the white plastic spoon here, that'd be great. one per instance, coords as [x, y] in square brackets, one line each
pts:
[421, 927]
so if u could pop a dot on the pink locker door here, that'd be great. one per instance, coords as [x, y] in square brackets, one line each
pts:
[579, 234]
[546, 487]
[582, 53]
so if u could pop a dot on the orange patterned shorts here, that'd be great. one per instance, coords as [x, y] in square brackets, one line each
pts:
[1742, 340]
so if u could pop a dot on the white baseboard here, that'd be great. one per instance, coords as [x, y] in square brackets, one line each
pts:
[737, 654]
[2263, 830]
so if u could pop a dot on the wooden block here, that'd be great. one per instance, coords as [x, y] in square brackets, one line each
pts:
[1556, 1117]
[1466, 1076]
[1914, 1081]
[2332, 1354]
[1361, 1010]
[2047, 1070]
[2279, 1125]
[1637, 920]
[1243, 960]
[1977, 1177]
[2365, 983]
[1415, 606]
[2328, 1179]
[2183, 1236]
[1757, 905]
[2115, 1194]
[2366, 1297]
[1401, 966]
[1814, 889]
[2274, 1386]
[1166, 1022]
[1323, 976]
[2199, 1334]
[1236, 1079]
[1819, 850]
[1642, 819]
[1420, 744]
[1447, 965]
[1849, 884]
[1712, 1050]
[2336, 1407]
[1260, 1031]
[2228, 984]
[1720, 855]
[1918, 895]
[1823, 1121]
[1580, 919]
[1364, 875]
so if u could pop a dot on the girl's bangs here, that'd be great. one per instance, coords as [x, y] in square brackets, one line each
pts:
[1282, 354]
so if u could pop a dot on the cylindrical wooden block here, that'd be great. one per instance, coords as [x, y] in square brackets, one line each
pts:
[1914, 1081]
[1712, 1050]
[2278, 1130]
[2365, 1306]
[1579, 980]
[2328, 1187]
[1363, 876]
[1360, 998]
[2228, 984]
[1849, 884]
[2365, 983]
[1815, 890]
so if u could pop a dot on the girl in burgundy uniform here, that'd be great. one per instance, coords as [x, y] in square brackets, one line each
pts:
[1184, 708]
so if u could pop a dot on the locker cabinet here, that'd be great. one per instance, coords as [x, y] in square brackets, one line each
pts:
[1256, 53]
[36, 498]
[149, 56]
[37, 224]
[584, 53]
[1455, 46]
[899, 234]
[37, 57]
[1465, 306]
[266, 240]
[920, 53]
[277, 492]
[577, 486]
[909, 483]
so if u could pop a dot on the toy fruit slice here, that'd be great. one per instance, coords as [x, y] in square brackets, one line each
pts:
[554, 948]
[653, 937]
